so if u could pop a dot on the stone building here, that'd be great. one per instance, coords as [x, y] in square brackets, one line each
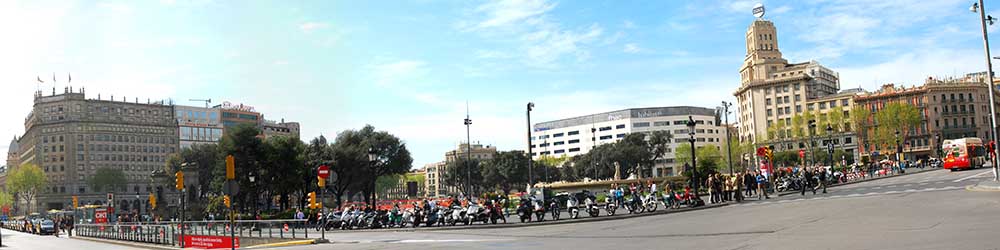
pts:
[435, 172]
[70, 137]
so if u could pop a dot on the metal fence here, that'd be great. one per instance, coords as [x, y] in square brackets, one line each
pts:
[145, 233]
[168, 233]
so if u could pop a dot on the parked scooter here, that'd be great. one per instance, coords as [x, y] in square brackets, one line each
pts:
[649, 203]
[610, 205]
[592, 208]
[539, 208]
[573, 207]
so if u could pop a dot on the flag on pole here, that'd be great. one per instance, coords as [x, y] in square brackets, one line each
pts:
[40, 79]
[54, 77]
[70, 77]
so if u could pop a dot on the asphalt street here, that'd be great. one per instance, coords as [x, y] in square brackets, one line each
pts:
[19, 240]
[929, 210]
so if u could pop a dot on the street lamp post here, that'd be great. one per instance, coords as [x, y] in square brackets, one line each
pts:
[729, 147]
[531, 106]
[898, 149]
[694, 165]
[545, 169]
[371, 162]
[937, 146]
[983, 18]
[812, 131]
[468, 155]
[829, 133]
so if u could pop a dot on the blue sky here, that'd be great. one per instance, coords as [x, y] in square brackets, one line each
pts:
[409, 67]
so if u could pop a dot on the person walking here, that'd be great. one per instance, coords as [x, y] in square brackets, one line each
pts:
[749, 182]
[738, 183]
[807, 179]
[710, 183]
[822, 180]
[761, 189]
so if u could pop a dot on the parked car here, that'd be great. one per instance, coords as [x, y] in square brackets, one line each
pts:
[45, 226]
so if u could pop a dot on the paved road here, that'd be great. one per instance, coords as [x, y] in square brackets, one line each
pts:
[929, 210]
[19, 240]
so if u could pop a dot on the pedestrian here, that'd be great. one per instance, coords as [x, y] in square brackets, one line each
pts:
[807, 178]
[738, 183]
[749, 182]
[710, 183]
[761, 189]
[822, 180]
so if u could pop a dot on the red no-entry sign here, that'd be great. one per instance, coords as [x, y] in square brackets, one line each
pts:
[323, 172]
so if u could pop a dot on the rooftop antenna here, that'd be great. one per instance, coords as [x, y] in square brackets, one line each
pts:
[207, 101]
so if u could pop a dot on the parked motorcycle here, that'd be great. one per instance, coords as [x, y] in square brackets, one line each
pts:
[524, 211]
[555, 209]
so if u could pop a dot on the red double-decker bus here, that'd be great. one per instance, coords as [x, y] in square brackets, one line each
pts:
[964, 153]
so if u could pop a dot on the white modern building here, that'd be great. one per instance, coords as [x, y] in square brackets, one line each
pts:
[577, 135]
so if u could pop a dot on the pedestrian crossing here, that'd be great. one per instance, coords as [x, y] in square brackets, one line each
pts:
[853, 195]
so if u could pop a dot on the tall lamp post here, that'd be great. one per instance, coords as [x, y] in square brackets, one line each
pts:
[372, 156]
[694, 165]
[829, 133]
[729, 147]
[812, 131]
[531, 106]
[983, 18]
[937, 146]
[468, 155]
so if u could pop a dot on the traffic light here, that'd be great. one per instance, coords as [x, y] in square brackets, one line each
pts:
[230, 167]
[152, 201]
[312, 199]
[179, 180]
[225, 200]
[76, 202]
[321, 182]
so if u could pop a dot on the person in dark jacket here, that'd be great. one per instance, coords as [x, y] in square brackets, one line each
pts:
[807, 181]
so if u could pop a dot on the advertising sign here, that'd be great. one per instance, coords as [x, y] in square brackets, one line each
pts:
[101, 216]
[209, 242]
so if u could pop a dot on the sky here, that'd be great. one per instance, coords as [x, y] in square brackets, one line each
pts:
[410, 67]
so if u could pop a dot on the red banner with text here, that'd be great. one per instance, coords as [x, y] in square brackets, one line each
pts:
[209, 242]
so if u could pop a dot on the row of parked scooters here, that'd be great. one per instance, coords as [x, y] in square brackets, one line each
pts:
[528, 210]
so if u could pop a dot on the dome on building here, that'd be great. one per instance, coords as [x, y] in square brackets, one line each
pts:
[13, 145]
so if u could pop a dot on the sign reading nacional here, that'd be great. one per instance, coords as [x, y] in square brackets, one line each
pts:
[758, 10]
[240, 107]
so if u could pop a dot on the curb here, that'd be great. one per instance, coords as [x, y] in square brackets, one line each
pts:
[861, 181]
[284, 244]
[124, 243]
[989, 187]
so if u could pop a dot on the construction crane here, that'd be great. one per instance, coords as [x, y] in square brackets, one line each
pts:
[207, 101]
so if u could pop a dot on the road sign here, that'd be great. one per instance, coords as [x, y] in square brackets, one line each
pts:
[232, 188]
[323, 172]
[829, 147]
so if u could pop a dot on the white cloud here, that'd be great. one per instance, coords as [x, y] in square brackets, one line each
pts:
[542, 42]
[120, 8]
[510, 12]
[309, 27]
[492, 54]
[912, 68]
[781, 9]
[280, 63]
[628, 24]
[398, 72]
[632, 48]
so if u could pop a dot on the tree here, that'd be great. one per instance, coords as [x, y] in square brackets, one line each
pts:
[739, 149]
[25, 182]
[859, 121]
[6, 199]
[798, 125]
[708, 159]
[205, 158]
[286, 172]
[246, 147]
[507, 169]
[391, 157]
[658, 144]
[896, 116]
[835, 117]
[632, 154]
[595, 163]
[348, 158]
[108, 179]
[549, 166]
[459, 171]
